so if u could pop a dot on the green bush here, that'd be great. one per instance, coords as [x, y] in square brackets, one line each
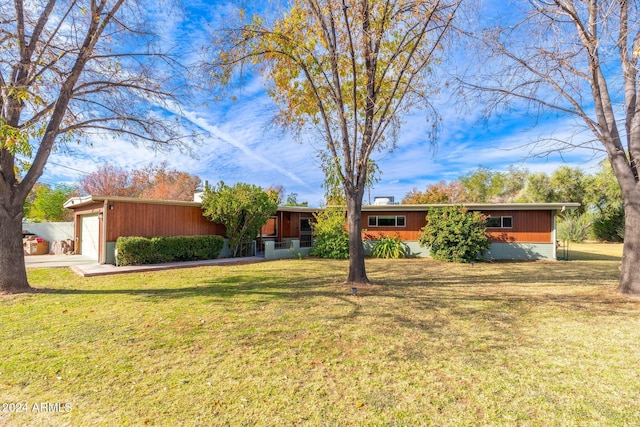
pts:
[574, 227]
[390, 247]
[157, 250]
[610, 226]
[331, 239]
[453, 234]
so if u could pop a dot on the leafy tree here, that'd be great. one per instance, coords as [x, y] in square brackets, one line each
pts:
[483, 185]
[151, 182]
[331, 239]
[569, 185]
[609, 225]
[69, 70]
[243, 209]
[47, 204]
[108, 180]
[603, 192]
[579, 59]
[439, 193]
[604, 196]
[537, 189]
[160, 183]
[454, 234]
[515, 181]
[292, 200]
[346, 72]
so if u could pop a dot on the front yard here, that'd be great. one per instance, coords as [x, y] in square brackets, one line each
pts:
[285, 343]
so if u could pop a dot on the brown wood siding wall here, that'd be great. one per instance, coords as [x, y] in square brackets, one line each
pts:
[528, 226]
[289, 223]
[147, 220]
[414, 221]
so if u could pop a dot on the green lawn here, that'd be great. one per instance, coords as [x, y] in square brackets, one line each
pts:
[285, 343]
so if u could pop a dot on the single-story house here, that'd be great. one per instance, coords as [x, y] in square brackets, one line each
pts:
[100, 220]
[517, 231]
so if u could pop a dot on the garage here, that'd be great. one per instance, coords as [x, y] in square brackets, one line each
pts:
[90, 235]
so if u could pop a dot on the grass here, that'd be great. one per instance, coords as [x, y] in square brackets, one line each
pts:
[284, 343]
[595, 251]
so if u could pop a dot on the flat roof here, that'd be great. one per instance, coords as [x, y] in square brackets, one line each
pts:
[478, 206]
[77, 202]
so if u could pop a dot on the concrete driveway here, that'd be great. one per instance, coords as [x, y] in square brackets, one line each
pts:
[48, 261]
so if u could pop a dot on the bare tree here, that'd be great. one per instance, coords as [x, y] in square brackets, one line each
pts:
[344, 72]
[579, 58]
[72, 69]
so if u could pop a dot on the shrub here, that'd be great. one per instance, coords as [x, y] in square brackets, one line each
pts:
[610, 226]
[331, 239]
[573, 227]
[156, 250]
[453, 234]
[390, 247]
[243, 209]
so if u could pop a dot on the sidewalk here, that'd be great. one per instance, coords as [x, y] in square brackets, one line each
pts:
[52, 261]
[91, 270]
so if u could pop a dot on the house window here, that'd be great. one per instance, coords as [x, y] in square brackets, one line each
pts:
[387, 221]
[500, 222]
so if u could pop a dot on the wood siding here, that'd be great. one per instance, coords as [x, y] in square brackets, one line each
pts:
[147, 220]
[528, 226]
[414, 221]
[289, 224]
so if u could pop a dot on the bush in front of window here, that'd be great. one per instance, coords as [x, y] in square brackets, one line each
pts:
[331, 239]
[453, 234]
[390, 248]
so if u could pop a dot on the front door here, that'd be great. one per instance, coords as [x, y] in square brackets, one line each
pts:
[305, 233]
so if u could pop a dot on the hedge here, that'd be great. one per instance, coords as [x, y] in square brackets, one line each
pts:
[157, 250]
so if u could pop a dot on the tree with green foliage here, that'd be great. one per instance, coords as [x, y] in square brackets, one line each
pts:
[344, 72]
[439, 193]
[483, 185]
[47, 204]
[330, 237]
[292, 200]
[569, 185]
[537, 189]
[243, 209]
[454, 234]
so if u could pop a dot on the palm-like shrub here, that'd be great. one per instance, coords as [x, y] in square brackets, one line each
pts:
[390, 247]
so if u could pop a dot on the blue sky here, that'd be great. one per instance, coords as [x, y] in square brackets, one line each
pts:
[241, 145]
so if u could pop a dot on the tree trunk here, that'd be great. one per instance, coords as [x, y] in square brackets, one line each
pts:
[13, 273]
[357, 271]
[629, 271]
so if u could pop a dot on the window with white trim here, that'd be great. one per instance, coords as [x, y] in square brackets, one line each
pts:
[500, 222]
[387, 221]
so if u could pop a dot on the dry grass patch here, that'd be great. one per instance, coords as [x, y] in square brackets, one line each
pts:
[284, 343]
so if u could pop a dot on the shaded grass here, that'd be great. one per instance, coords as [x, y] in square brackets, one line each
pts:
[284, 343]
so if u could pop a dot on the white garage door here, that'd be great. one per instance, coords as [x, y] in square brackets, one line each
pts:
[89, 235]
